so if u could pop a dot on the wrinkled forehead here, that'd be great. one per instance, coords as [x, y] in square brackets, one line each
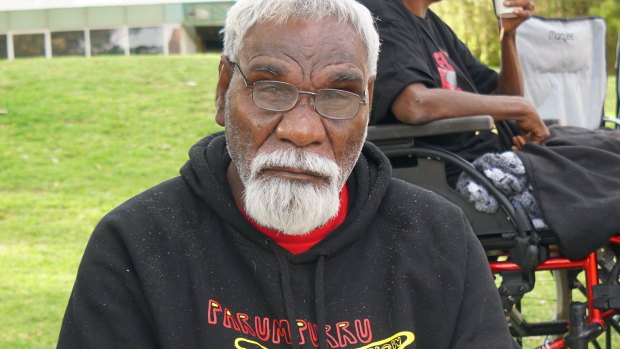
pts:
[317, 42]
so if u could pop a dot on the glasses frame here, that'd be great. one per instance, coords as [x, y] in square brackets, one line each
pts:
[301, 92]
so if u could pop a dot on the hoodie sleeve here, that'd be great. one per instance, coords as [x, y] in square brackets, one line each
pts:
[107, 308]
[480, 324]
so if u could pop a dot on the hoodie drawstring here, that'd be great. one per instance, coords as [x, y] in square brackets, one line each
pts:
[287, 292]
[289, 303]
[319, 291]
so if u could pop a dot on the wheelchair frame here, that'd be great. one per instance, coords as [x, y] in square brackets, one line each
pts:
[580, 329]
[508, 232]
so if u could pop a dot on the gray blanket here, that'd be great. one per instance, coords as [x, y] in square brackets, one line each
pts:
[507, 173]
[575, 175]
[570, 185]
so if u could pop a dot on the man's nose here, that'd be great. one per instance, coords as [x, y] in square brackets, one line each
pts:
[302, 125]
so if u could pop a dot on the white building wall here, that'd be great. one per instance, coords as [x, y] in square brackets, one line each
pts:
[13, 5]
[19, 17]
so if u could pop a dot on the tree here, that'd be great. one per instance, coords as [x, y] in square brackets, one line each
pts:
[475, 23]
[610, 10]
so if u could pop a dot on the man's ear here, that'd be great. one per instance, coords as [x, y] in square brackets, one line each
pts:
[225, 75]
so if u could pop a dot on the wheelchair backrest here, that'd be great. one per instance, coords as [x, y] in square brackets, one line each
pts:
[564, 65]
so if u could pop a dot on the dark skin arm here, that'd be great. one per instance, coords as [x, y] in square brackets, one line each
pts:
[417, 104]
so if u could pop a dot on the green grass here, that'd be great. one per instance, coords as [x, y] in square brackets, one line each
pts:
[611, 99]
[79, 137]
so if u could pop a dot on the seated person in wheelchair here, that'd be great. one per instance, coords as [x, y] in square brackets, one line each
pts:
[426, 73]
[287, 230]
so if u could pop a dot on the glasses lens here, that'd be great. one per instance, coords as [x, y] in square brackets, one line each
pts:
[274, 95]
[337, 104]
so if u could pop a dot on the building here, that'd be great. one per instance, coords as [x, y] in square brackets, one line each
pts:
[52, 28]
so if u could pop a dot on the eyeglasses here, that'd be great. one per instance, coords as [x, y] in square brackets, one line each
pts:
[281, 96]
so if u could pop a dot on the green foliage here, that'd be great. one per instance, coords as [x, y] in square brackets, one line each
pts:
[610, 10]
[475, 23]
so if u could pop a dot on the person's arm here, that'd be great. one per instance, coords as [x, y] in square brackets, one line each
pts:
[511, 76]
[417, 104]
[510, 80]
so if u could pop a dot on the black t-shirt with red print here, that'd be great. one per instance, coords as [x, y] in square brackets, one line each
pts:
[426, 50]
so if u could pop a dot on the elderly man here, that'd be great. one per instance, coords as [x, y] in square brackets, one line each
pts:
[287, 231]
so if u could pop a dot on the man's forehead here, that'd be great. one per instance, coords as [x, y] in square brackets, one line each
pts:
[314, 40]
[342, 73]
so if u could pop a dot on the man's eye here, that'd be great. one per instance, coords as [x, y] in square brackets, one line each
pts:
[336, 98]
[336, 95]
[272, 89]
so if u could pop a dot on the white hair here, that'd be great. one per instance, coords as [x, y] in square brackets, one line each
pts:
[246, 13]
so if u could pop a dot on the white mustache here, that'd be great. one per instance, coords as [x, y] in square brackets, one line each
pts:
[298, 159]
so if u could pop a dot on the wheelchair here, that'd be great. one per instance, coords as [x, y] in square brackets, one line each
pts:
[516, 251]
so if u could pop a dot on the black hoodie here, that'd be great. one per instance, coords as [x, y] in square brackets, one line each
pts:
[178, 266]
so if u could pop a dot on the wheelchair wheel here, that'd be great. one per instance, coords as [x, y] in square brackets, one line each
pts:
[556, 290]
[563, 291]
[542, 314]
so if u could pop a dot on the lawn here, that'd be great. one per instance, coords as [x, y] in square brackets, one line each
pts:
[80, 136]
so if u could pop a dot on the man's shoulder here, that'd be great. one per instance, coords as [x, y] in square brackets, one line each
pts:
[166, 202]
[416, 217]
[401, 191]
[165, 193]
[410, 208]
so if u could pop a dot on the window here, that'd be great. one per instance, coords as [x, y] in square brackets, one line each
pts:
[29, 45]
[146, 40]
[107, 42]
[3, 47]
[210, 38]
[68, 43]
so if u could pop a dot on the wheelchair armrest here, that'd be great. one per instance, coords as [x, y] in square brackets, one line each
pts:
[614, 121]
[379, 133]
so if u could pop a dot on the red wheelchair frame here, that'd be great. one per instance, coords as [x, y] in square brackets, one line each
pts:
[596, 321]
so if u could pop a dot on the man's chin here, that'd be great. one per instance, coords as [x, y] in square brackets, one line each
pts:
[294, 230]
[290, 206]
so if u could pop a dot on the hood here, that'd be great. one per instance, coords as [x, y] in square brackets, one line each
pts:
[205, 173]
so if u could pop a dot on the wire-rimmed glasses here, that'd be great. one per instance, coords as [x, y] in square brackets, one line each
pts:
[281, 96]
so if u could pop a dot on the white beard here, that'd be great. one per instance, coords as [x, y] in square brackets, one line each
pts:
[290, 206]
